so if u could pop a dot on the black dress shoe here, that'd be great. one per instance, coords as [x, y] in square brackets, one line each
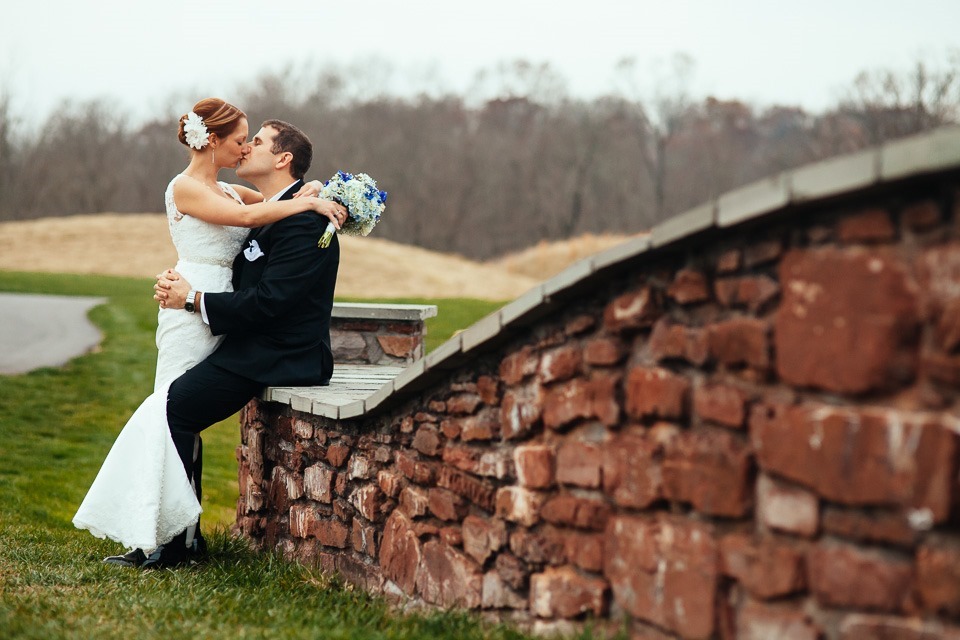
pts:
[165, 557]
[133, 559]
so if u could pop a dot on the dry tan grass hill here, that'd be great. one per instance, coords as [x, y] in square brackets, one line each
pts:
[139, 245]
[546, 259]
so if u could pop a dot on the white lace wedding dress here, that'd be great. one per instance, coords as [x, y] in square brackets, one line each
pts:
[141, 497]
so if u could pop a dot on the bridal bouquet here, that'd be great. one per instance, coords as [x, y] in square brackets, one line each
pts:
[364, 203]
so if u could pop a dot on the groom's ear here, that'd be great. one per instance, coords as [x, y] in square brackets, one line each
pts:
[284, 160]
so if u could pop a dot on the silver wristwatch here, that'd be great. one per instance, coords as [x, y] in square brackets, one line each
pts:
[190, 305]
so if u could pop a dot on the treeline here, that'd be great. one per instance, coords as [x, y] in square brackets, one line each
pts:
[481, 178]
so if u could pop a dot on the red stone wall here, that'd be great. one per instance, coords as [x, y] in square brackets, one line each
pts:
[752, 434]
[368, 341]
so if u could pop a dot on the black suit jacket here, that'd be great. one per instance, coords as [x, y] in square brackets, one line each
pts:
[277, 319]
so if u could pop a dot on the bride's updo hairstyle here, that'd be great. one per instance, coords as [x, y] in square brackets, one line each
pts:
[219, 117]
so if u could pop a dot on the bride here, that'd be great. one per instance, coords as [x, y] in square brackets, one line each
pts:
[141, 497]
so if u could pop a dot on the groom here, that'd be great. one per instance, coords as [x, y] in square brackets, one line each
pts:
[276, 321]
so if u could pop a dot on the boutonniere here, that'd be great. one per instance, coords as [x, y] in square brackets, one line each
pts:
[252, 252]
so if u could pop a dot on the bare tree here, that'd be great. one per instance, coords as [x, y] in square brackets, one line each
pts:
[889, 104]
[658, 117]
[8, 161]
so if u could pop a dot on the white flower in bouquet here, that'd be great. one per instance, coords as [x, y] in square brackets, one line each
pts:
[364, 202]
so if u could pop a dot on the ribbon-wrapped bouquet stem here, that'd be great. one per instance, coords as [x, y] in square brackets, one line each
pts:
[364, 202]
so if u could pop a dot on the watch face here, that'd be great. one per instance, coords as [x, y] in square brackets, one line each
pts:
[189, 307]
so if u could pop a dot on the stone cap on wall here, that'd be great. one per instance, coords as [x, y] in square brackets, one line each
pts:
[383, 311]
[907, 158]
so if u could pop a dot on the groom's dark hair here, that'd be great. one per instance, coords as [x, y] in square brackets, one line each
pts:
[290, 139]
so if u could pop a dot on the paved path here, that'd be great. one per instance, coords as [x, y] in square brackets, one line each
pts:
[44, 331]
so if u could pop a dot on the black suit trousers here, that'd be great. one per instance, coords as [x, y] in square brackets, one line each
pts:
[201, 397]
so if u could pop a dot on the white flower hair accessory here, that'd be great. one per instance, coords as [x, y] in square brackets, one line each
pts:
[195, 131]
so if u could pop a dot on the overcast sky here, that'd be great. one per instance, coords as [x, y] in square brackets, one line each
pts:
[763, 51]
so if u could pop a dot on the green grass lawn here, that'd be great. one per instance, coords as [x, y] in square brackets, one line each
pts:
[56, 426]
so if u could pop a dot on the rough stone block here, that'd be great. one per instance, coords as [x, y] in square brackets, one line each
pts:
[604, 352]
[664, 570]
[479, 492]
[871, 225]
[520, 410]
[537, 547]
[741, 341]
[560, 364]
[512, 569]
[757, 621]
[938, 576]
[317, 483]
[689, 286]
[463, 403]
[482, 537]
[519, 505]
[497, 594]
[446, 505]
[848, 334]
[722, 404]
[670, 341]
[584, 549]
[632, 473]
[479, 460]
[337, 454]
[567, 403]
[535, 466]
[565, 593]
[427, 440]
[400, 552]
[765, 567]
[711, 471]
[449, 578]
[579, 463]
[656, 392]
[634, 310]
[876, 525]
[787, 508]
[585, 513]
[366, 500]
[519, 365]
[871, 456]
[413, 502]
[846, 576]
[751, 292]
[406, 347]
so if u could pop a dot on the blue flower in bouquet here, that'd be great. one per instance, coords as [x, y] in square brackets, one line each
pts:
[364, 202]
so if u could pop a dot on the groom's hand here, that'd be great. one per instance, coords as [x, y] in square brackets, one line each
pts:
[171, 290]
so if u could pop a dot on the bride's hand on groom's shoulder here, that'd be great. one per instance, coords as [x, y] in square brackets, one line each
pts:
[329, 209]
[311, 188]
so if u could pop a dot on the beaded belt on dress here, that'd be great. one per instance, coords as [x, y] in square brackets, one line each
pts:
[210, 261]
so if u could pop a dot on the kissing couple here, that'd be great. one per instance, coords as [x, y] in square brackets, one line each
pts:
[247, 306]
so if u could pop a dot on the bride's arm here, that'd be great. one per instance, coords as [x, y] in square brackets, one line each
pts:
[195, 199]
[248, 195]
[252, 196]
